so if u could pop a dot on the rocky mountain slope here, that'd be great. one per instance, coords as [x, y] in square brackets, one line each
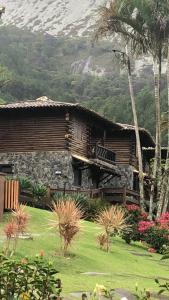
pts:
[56, 17]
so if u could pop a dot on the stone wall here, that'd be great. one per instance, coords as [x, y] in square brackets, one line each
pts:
[125, 180]
[42, 166]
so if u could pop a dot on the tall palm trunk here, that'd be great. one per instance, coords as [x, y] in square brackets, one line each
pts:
[165, 183]
[138, 144]
[157, 159]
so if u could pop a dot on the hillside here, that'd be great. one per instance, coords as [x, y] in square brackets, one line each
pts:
[68, 70]
[56, 17]
[122, 268]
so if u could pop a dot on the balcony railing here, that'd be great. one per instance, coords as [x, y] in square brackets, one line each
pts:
[102, 153]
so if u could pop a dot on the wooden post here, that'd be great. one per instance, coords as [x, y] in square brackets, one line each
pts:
[124, 195]
[2, 183]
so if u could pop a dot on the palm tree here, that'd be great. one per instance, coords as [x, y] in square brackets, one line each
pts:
[145, 25]
[164, 197]
[106, 25]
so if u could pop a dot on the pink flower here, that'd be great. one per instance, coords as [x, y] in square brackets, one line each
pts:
[144, 226]
[132, 207]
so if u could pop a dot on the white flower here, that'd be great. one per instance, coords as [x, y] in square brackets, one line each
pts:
[124, 298]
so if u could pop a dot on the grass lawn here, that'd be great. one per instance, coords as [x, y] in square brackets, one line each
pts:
[124, 269]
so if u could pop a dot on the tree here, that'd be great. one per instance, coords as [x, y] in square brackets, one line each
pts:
[112, 20]
[145, 26]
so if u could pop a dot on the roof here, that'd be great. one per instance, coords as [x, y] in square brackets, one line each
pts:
[102, 165]
[45, 102]
[145, 135]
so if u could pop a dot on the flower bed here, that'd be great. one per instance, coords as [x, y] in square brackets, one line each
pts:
[154, 233]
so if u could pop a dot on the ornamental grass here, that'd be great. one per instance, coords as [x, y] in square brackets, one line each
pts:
[67, 215]
[113, 221]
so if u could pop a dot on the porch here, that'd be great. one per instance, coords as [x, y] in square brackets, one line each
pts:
[121, 196]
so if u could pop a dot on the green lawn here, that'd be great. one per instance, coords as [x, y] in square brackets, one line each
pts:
[124, 268]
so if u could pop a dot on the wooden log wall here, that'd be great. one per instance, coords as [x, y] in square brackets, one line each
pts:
[79, 132]
[121, 144]
[32, 132]
[11, 194]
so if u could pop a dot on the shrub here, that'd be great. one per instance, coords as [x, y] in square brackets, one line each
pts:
[17, 225]
[91, 207]
[67, 221]
[157, 238]
[39, 191]
[25, 183]
[21, 218]
[113, 221]
[163, 221]
[28, 279]
[10, 231]
[134, 215]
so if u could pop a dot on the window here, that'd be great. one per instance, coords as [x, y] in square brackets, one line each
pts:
[77, 176]
[6, 168]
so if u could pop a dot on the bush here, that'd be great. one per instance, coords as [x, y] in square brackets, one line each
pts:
[133, 216]
[28, 279]
[157, 238]
[91, 207]
[24, 182]
[67, 215]
[39, 191]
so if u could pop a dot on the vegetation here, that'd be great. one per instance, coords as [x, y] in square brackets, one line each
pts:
[17, 225]
[41, 65]
[153, 233]
[124, 265]
[67, 222]
[90, 207]
[112, 221]
[33, 279]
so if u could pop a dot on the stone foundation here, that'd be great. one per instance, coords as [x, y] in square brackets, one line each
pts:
[42, 166]
[125, 180]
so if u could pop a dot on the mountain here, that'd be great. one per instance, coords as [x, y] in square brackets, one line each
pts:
[56, 17]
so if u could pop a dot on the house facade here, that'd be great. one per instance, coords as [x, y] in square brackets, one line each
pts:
[59, 143]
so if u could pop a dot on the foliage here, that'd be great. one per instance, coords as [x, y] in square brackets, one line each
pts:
[154, 233]
[24, 182]
[113, 221]
[133, 216]
[41, 65]
[17, 225]
[67, 216]
[39, 191]
[21, 217]
[90, 206]
[28, 279]
[157, 237]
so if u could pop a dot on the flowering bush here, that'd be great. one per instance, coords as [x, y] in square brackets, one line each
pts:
[144, 226]
[155, 234]
[134, 215]
[163, 221]
[157, 238]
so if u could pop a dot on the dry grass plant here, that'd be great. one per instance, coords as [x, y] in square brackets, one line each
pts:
[67, 216]
[16, 226]
[113, 221]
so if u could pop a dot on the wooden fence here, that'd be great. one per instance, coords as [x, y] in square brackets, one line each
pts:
[11, 194]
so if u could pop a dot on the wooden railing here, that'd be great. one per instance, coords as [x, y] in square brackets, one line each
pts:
[102, 153]
[11, 194]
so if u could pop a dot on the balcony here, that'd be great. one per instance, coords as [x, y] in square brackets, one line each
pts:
[102, 153]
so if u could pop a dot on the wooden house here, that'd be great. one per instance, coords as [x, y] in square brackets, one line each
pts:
[67, 145]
